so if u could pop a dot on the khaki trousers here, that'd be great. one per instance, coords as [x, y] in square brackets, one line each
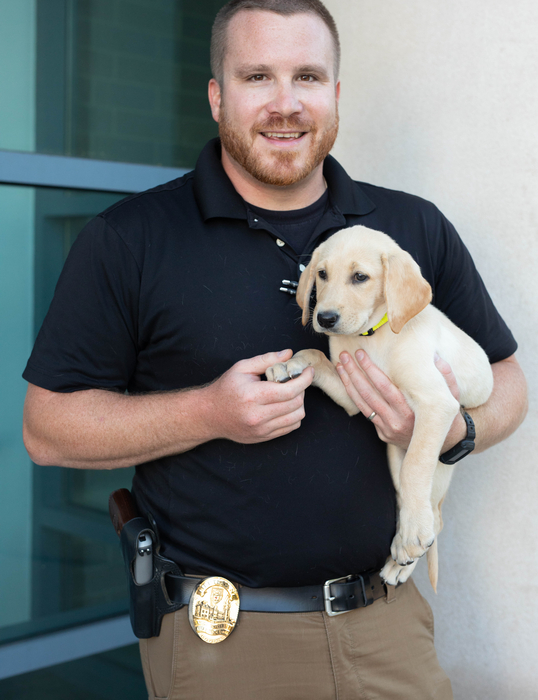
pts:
[382, 652]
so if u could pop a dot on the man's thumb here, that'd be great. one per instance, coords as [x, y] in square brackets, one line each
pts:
[258, 364]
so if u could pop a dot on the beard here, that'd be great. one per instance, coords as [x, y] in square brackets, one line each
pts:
[282, 168]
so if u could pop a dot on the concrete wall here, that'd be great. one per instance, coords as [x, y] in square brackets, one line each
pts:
[441, 99]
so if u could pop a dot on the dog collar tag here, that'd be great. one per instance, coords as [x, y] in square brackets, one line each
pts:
[213, 609]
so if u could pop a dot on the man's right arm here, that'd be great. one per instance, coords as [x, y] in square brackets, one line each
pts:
[98, 429]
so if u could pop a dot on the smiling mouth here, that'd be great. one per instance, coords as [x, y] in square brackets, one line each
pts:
[289, 136]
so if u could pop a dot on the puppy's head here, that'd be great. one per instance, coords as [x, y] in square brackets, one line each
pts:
[360, 274]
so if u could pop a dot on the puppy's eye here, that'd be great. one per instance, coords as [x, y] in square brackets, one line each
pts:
[360, 277]
[322, 274]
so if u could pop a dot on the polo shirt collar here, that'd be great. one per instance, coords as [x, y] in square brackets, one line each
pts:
[346, 195]
[217, 197]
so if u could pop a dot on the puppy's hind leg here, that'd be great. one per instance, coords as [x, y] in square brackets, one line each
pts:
[394, 573]
[434, 413]
[395, 457]
[441, 482]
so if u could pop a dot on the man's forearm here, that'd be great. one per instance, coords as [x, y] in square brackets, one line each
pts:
[96, 429]
[505, 409]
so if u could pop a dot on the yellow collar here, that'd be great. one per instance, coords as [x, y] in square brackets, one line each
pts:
[371, 331]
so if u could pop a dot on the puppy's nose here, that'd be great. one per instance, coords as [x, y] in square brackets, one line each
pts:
[328, 319]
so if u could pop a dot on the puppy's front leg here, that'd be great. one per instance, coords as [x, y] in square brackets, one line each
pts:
[326, 377]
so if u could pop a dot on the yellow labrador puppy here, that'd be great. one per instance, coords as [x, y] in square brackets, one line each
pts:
[362, 278]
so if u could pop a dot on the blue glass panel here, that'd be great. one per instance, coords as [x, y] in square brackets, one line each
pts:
[121, 80]
[112, 675]
[60, 563]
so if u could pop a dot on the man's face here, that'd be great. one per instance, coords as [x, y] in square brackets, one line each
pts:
[277, 107]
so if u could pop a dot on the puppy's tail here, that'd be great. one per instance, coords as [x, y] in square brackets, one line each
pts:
[433, 564]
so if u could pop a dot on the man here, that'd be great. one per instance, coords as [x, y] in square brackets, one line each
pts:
[267, 485]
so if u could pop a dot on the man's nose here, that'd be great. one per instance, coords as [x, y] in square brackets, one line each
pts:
[284, 101]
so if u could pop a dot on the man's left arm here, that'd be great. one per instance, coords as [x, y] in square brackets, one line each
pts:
[394, 420]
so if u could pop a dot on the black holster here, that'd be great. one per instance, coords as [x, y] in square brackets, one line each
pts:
[148, 602]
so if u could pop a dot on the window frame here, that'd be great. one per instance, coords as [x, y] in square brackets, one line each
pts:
[30, 169]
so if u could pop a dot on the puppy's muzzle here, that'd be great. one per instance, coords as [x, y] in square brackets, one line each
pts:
[328, 319]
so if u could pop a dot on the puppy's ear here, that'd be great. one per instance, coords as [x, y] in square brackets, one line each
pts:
[406, 291]
[306, 284]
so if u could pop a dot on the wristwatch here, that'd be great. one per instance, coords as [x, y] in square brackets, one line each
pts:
[465, 446]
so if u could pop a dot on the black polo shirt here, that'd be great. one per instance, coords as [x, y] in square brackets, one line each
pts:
[170, 287]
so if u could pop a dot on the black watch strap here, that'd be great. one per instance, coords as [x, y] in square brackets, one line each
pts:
[465, 446]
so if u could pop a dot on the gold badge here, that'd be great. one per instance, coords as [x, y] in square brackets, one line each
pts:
[213, 609]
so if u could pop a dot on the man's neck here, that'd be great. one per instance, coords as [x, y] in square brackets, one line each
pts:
[287, 198]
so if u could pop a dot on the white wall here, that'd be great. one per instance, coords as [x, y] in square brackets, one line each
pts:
[441, 99]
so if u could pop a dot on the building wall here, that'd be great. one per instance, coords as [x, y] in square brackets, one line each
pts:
[441, 100]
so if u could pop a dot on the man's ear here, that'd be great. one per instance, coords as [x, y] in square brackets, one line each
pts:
[406, 291]
[215, 98]
[306, 284]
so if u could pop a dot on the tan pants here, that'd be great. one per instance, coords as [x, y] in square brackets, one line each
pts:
[382, 652]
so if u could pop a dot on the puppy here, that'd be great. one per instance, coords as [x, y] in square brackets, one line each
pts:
[360, 276]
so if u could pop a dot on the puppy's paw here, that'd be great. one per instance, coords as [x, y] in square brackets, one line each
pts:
[284, 371]
[393, 573]
[415, 535]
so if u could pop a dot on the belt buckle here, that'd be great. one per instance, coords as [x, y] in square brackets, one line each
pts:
[213, 609]
[328, 598]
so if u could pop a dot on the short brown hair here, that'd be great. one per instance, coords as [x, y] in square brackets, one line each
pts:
[281, 7]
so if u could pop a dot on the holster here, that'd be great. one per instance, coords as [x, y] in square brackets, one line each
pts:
[148, 602]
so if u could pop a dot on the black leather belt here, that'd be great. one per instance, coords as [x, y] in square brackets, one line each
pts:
[335, 596]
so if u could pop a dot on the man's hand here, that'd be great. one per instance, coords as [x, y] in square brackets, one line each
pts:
[372, 391]
[495, 420]
[250, 410]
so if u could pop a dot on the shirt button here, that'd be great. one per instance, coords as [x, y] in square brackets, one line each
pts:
[302, 267]
[280, 243]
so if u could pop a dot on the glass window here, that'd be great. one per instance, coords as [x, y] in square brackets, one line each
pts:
[113, 80]
[114, 674]
[60, 562]
[121, 80]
